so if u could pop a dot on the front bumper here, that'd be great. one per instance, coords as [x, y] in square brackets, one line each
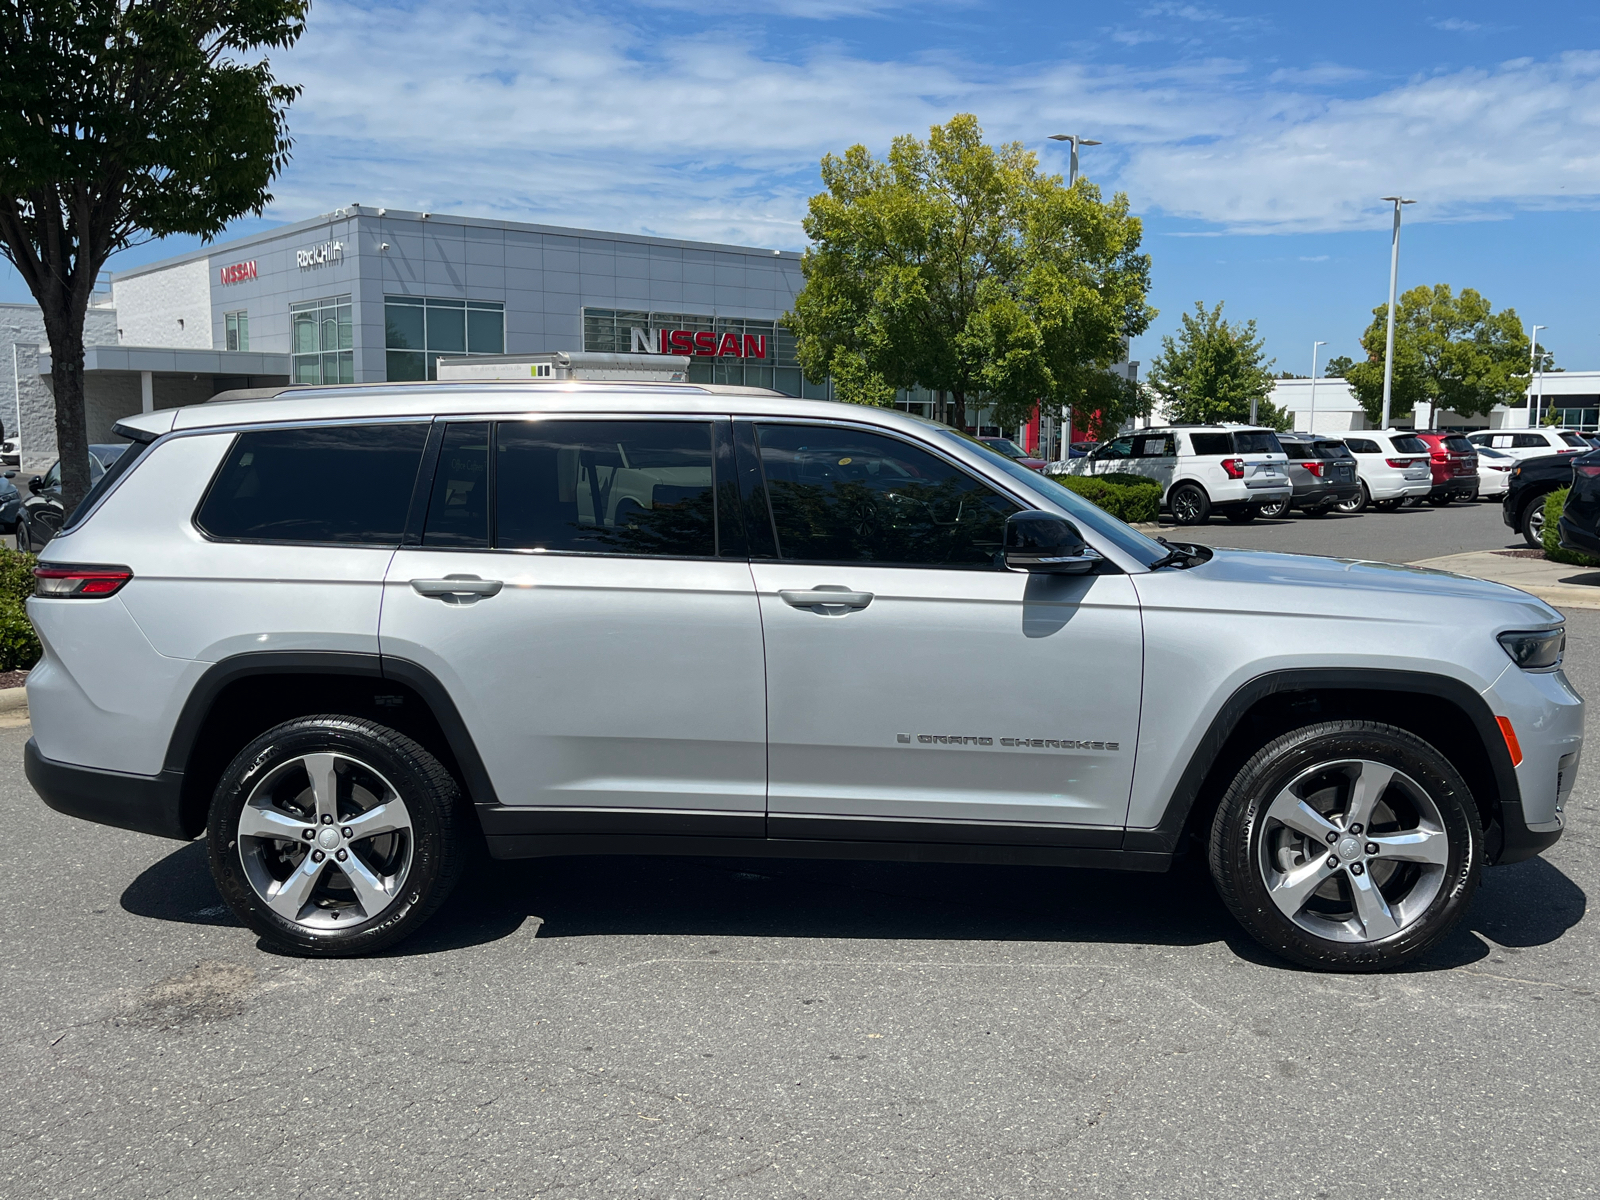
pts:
[1547, 715]
[1575, 537]
[142, 803]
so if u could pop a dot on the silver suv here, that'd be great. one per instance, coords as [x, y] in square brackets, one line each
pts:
[345, 633]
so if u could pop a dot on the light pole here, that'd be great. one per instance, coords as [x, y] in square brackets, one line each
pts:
[1394, 274]
[1072, 173]
[1534, 364]
[1315, 346]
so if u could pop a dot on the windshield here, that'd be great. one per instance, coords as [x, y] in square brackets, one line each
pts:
[1124, 537]
[1410, 444]
[1005, 446]
[1330, 450]
[1458, 444]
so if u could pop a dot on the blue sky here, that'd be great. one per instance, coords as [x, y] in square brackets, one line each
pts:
[1255, 140]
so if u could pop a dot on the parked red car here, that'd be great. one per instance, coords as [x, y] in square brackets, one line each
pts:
[1455, 467]
[1011, 450]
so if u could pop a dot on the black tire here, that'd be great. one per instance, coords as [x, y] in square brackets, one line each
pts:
[1242, 516]
[1273, 509]
[1359, 503]
[1531, 523]
[1426, 795]
[1189, 504]
[415, 868]
[1394, 505]
[1440, 501]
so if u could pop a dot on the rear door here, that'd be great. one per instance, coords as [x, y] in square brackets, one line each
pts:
[591, 614]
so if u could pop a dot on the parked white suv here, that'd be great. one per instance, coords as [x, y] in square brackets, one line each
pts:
[342, 631]
[1392, 465]
[1531, 443]
[1231, 469]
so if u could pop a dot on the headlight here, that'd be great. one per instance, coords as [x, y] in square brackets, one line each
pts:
[1535, 649]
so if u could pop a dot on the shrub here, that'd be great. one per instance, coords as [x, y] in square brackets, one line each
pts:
[1130, 498]
[1553, 550]
[19, 644]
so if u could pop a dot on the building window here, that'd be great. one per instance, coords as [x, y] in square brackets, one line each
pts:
[237, 325]
[322, 341]
[419, 330]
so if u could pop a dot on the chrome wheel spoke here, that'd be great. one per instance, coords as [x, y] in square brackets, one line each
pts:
[270, 823]
[1372, 910]
[1365, 790]
[1292, 891]
[368, 887]
[1414, 845]
[389, 817]
[324, 785]
[1288, 809]
[290, 896]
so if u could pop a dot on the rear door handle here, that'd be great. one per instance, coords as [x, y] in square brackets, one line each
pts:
[457, 589]
[826, 594]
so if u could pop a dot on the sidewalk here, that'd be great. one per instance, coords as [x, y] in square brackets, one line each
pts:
[1555, 583]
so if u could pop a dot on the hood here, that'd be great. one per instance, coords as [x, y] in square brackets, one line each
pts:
[1350, 575]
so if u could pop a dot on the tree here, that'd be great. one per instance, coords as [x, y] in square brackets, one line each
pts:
[1213, 371]
[957, 266]
[1337, 366]
[121, 121]
[1450, 351]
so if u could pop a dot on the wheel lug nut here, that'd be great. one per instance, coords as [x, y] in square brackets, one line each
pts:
[348, 832]
[327, 819]
[1372, 847]
[342, 855]
[1355, 868]
[308, 834]
[1356, 828]
[1333, 860]
[317, 856]
[1333, 836]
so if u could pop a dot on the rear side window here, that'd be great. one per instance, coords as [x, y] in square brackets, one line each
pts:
[1459, 445]
[1362, 446]
[121, 464]
[1410, 444]
[341, 485]
[1573, 439]
[1211, 443]
[1257, 443]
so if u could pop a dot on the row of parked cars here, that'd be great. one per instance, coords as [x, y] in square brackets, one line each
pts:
[1243, 472]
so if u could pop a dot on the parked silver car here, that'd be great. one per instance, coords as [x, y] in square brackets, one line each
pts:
[342, 631]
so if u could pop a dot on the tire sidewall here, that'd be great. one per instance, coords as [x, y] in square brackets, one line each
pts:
[1201, 502]
[399, 760]
[1240, 825]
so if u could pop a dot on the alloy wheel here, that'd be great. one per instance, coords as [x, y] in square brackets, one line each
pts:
[326, 841]
[1353, 850]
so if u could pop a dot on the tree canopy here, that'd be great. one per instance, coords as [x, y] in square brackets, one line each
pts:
[1451, 351]
[958, 266]
[122, 120]
[1337, 366]
[1213, 370]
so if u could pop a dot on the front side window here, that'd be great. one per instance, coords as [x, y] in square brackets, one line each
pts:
[344, 485]
[236, 330]
[322, 341]
[1154, 446]
[418, 330]
[843, 495]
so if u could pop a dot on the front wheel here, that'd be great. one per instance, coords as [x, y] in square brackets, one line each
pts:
[334, 835]
[1358, 502]
[1189, 504]
[1533, 523]
[1347, 846]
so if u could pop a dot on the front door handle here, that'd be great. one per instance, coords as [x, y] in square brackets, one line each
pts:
[457, 589]
[825, 595]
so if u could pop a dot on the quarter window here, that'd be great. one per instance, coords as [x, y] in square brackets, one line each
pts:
[1362, 446]
[347, 485]
[418, 330]
[1211, 443]
[839, 495]
[322, 341]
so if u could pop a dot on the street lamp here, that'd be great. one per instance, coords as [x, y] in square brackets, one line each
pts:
[1072, 173]
[1394, 273]
[1534, 367]
[1315, 346]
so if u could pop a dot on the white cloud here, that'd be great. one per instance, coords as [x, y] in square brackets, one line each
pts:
[571, 118]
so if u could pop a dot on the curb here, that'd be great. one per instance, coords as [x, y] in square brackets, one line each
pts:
[12, 699]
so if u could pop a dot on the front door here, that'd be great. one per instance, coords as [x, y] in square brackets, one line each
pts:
[569, 596]
[916, 686]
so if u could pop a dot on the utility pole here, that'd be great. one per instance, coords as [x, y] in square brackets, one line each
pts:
[1535, 400]
[1315, 346]
[1394, 274]
[1072, 172]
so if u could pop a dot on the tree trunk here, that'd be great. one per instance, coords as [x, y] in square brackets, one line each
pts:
[66, 381]
[958, 410]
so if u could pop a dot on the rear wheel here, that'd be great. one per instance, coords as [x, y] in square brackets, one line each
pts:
[1441, 500]
[1533, 522]
[1189, 504]
[1394, 505]
[1241, 516]
[334, 835]
[1347, 846]
[1358, 502]
[1273, 509]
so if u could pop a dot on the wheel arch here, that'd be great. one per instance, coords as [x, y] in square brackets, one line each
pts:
[1443, 711]
[240, 697]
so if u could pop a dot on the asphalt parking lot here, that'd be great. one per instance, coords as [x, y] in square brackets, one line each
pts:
[692, 1027]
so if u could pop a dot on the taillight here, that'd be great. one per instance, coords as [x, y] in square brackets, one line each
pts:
[1314, 467]
[1589, 470]
[1399, 462]
[1234, 467]
[63, 582]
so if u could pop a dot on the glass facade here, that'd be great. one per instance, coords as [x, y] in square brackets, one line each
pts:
[419, 330]
[1576, 418]
[611, 331]
[237, 327]
[322, 340]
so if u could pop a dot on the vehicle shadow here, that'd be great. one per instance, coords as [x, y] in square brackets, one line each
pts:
[1528, 904]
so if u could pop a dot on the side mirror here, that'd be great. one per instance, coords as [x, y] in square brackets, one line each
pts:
[1048, 543]
[36, 484]
[11, 474]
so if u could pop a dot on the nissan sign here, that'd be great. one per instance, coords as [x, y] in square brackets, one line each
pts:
[703, 343]
[239, 272]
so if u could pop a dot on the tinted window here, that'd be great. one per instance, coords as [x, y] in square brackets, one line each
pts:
[1257, 443]
[1330, 450]
[1296, 450]
[839, 495]
[458, 509]
[1362, 446]
[349, 485]
[610, 487]
[1211, 443]
[1528, 441]
[1410, 444]
[1573, 439]
[1459, 444]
